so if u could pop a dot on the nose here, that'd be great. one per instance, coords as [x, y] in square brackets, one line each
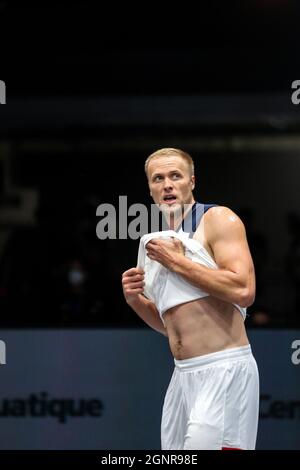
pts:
[168, 184]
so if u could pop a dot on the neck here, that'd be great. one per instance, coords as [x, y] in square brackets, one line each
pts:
[174, 219]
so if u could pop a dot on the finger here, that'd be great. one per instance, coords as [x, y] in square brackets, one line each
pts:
[132, 280]
[140, 271]
[133, 272]
[136, 284]
[129, 272]
[153, 242]
[136, 277]
[134, 291]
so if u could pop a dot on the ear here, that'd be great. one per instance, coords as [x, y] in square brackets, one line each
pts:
[193, 181]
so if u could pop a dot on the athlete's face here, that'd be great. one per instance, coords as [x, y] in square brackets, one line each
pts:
[170, 182]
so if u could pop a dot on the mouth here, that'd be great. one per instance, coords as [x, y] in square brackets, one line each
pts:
[169, 199]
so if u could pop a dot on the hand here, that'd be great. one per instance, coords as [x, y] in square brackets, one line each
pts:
[133, 284]
[166, 252]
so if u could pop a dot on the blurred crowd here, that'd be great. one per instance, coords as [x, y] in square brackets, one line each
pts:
[58, 273]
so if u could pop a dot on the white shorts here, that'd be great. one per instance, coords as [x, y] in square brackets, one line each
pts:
[212, 402]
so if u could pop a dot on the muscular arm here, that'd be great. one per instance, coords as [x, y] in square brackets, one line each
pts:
[234, 280]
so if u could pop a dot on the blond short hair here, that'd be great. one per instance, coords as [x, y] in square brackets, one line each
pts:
[170, 152]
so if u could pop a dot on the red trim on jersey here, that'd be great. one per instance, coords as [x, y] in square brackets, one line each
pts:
[230, 448]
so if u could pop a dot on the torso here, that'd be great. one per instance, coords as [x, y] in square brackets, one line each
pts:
[205, 325]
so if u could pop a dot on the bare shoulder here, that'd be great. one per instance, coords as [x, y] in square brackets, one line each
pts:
[219, 214]
[221, 220]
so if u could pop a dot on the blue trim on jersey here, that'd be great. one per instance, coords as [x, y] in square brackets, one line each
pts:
[193, 218]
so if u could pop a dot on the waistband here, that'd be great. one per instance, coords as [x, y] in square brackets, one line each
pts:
[220, 356]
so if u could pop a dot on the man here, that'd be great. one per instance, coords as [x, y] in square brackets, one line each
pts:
[212, 399]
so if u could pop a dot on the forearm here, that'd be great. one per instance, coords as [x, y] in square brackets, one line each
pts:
[220, 283]
[147, 311]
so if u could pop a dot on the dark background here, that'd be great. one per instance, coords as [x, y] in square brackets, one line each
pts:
[58, 48]
[91, 92]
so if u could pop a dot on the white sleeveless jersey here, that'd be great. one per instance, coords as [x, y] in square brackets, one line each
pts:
[166, 288]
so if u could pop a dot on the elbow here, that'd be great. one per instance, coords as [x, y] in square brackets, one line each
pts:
[163, 331]
[246, 297]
